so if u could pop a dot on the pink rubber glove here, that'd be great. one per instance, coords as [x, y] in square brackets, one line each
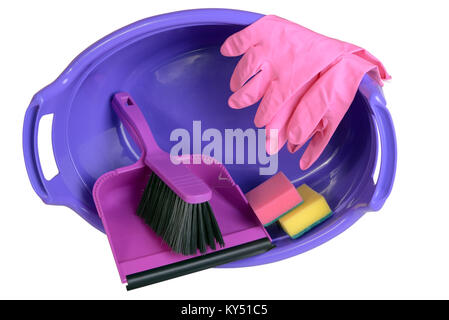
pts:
[306, 82]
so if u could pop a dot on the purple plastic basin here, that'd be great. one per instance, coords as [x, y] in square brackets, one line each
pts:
[171, 63]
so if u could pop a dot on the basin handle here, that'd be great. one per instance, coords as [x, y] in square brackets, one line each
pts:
[50, 191]
[388, 155]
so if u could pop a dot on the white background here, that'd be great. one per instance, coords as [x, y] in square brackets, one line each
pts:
[400, 252]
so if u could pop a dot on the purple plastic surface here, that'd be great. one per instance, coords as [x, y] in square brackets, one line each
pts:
[173, 65]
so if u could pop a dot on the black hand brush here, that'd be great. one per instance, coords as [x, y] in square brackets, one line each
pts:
[175, 201]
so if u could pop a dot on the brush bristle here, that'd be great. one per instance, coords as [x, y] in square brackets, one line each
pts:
[185, 227]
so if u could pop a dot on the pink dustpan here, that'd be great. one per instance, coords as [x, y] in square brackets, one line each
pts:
[141, 256]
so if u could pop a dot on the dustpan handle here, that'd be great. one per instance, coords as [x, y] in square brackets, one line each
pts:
[198, 263]
[134, 121]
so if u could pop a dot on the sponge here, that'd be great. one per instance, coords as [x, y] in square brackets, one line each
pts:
[273, 198]
[312, 212]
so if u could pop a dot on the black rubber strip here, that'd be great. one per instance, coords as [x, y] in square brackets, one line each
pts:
[210, 260]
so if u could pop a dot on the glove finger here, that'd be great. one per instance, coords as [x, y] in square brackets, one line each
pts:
[251, 92]
[335, 90]
[279, 123]
[310, 111]
[316, 147]
[274, 101]
[275, 139]
[247, 67]
[239, 42]
[269, 100]
[292, 148]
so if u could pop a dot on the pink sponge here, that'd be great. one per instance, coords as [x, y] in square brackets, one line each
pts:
[273, 198]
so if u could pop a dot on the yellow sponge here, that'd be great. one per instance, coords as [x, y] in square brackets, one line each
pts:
[312, 212]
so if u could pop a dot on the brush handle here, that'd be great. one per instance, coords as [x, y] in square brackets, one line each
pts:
[135, 123]
[178, 177]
